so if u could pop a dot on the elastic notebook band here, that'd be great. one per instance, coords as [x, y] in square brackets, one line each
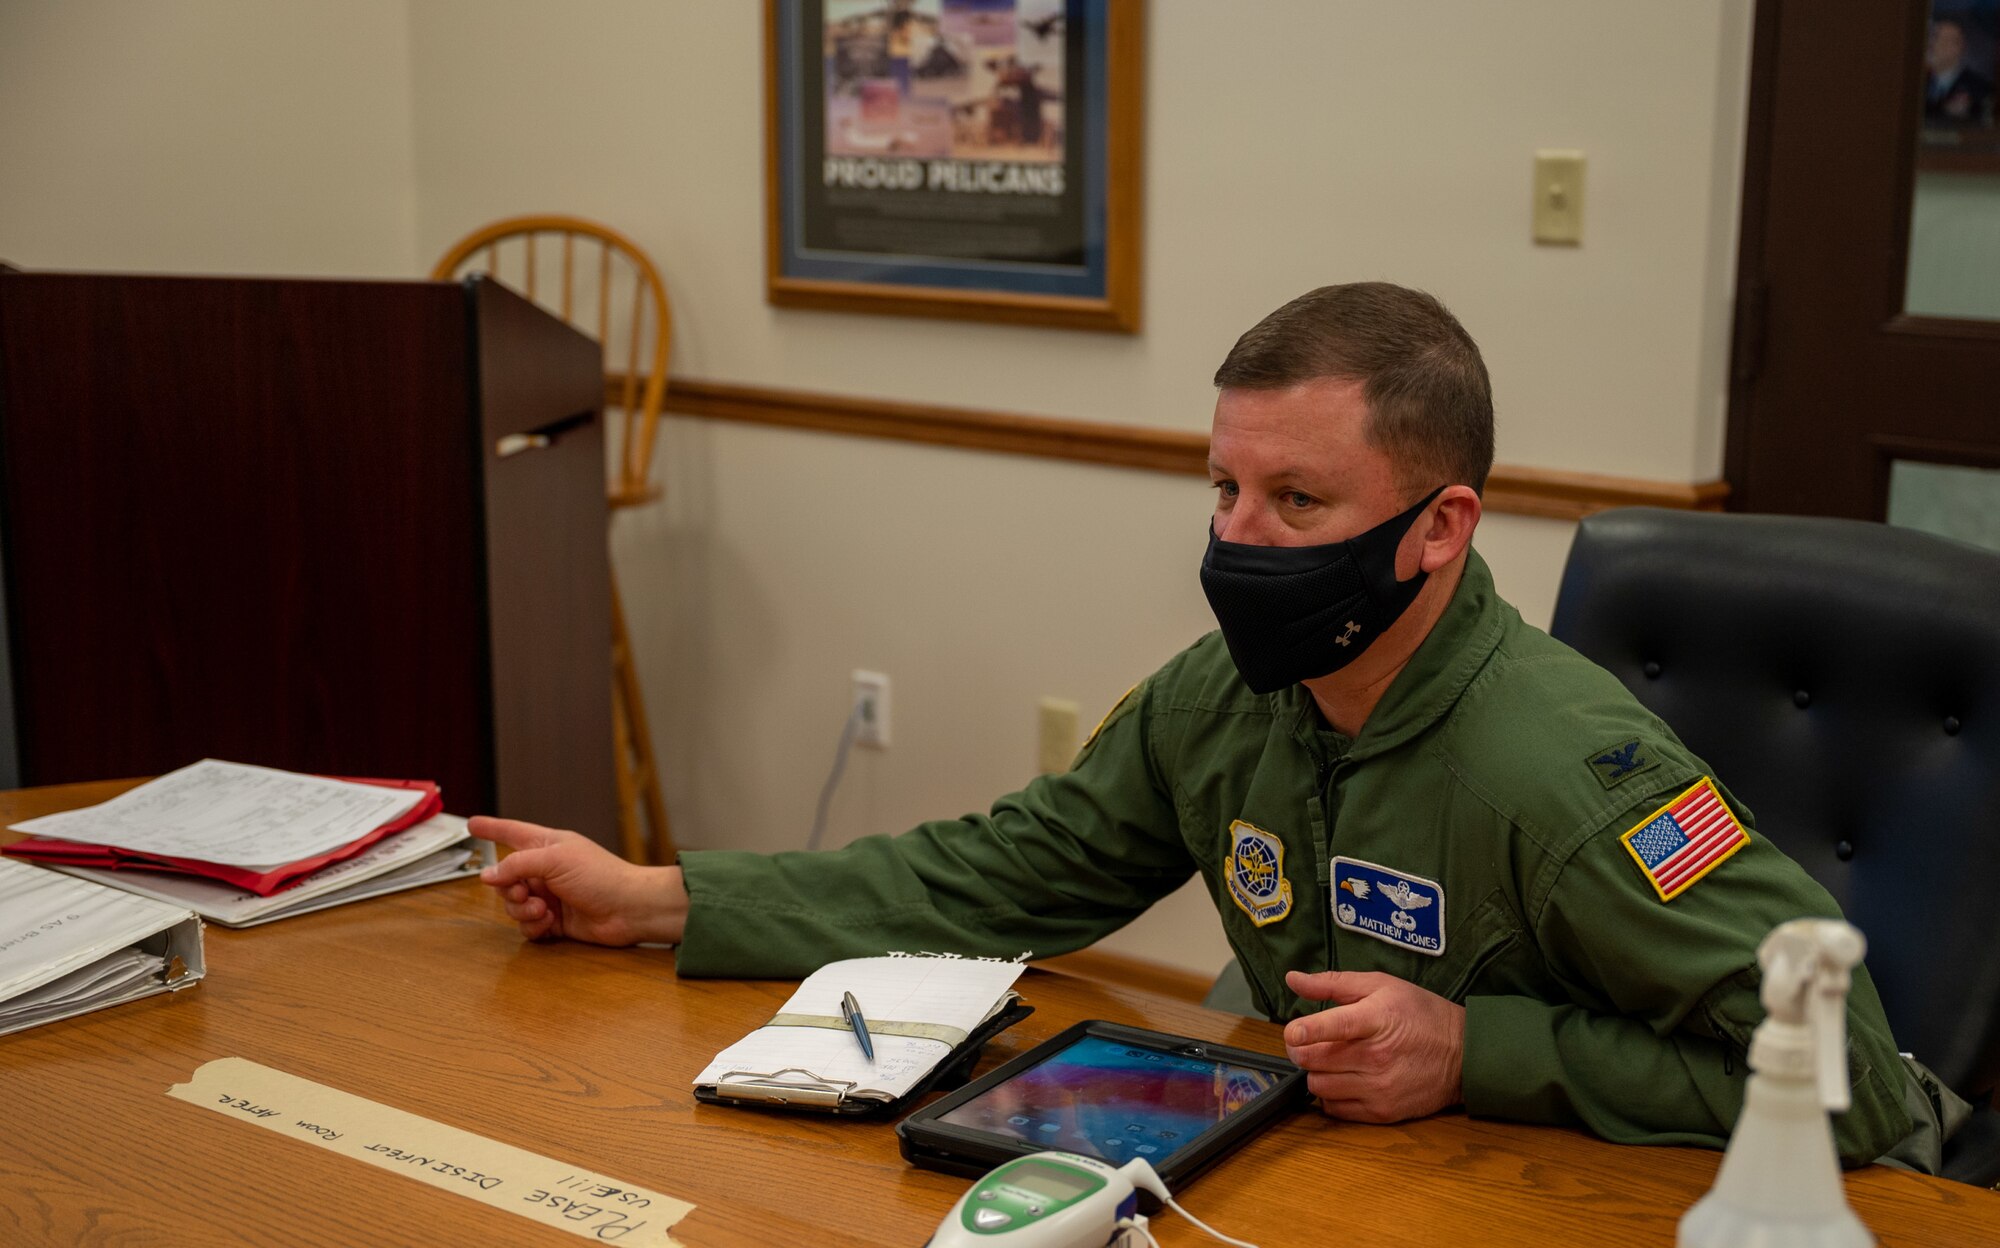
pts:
[750, 1085]
[951, 1036]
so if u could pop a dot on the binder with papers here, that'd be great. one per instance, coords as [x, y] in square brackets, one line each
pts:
[68, 946]
[257, 828]
[437, 849]
[928, 1018]
[244, 845]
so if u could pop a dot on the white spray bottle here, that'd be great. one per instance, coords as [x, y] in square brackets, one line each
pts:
[1779, 1186]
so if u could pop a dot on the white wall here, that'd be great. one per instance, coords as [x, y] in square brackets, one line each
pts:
[207, 136]
[1288, 144]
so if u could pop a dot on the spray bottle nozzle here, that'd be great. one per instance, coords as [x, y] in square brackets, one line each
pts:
[1808, 968]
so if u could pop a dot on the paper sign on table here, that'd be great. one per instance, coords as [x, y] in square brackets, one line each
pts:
[542, 1189]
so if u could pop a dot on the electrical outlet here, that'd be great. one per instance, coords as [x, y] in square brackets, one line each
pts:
[871, 700]
[1057, 734]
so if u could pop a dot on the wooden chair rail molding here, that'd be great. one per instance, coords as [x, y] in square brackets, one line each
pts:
[1127, 971]
[1518, 491]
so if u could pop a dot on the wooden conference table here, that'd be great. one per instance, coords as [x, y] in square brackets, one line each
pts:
[428, 1001]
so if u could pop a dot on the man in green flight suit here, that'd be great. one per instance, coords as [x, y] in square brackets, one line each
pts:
[1523, 893]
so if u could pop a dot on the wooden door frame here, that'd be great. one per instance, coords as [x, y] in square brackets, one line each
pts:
[1893, 208]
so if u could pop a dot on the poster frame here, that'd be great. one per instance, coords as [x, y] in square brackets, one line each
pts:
[906, 285]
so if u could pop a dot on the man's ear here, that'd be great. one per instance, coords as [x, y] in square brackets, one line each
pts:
[1448, 525]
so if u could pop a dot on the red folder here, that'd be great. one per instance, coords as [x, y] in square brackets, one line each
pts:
[78, 854]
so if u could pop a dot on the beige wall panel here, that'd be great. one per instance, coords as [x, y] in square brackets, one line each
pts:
[1288, 144]
[207, 136]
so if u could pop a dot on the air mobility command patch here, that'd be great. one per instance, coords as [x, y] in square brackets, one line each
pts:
[1406, 910]
[1257, 874]
[1685, 840]
[1618, 763]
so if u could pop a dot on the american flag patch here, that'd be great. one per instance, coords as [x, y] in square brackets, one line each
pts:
[1685, 840]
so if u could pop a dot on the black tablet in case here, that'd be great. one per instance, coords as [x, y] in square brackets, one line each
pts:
[1111, 1092]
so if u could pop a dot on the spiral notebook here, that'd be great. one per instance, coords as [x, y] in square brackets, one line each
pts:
[927, 1018]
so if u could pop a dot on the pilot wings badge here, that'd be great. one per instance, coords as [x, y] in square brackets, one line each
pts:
[1256, 874]
[1405, 899]
[1392, 906]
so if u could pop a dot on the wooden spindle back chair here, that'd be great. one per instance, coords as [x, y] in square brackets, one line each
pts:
[517, 251]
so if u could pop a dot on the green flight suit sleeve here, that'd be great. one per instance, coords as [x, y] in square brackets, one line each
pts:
[1651, 1047]
[1065, 861]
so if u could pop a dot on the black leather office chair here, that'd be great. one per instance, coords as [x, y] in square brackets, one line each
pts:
[1843, 678]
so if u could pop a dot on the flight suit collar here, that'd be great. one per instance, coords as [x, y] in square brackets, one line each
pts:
[1455, 650]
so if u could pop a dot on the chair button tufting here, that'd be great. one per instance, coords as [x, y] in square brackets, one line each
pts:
[1801, 699]
[1652, 670]
[1951, 725]
[1844, 851]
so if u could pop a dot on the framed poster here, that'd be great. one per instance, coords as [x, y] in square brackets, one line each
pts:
[1958, 133]
[961, 158]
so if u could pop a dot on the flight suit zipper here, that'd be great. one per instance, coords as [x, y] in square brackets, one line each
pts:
[1322, 855]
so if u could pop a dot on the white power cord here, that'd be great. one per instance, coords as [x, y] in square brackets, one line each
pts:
[833, 778]
[1211, 1231]
[1142, 1175]
[1132, 1232]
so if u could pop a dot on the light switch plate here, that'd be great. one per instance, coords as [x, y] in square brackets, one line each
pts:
[1056, 735]
[1559, 197]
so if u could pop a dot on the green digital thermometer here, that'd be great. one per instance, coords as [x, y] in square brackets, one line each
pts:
[1045, 1200]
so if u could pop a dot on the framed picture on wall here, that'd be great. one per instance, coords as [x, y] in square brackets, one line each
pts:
[976, 159]
[1961, 53]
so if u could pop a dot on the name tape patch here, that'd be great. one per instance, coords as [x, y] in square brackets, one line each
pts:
[1390, 905]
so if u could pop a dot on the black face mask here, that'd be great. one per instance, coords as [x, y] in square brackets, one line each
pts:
[1292, 613]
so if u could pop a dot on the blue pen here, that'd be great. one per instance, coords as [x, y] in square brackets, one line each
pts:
[850, 1009]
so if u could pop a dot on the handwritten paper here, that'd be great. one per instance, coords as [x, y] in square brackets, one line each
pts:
[541, 1189]
[955, 993]
[960, 993]
[233, 814]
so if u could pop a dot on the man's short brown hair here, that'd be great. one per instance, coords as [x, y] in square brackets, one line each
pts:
[1430, 407]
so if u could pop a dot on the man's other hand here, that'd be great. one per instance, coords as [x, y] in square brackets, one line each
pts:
[1387, 1052]
[558, 884]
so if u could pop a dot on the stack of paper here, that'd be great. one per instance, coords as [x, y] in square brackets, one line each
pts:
[67, 946]
[246, 845]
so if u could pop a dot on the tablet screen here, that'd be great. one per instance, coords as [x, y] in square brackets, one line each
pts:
[1114, 1100]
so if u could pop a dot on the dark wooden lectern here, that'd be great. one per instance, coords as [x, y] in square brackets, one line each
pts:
[355, 528]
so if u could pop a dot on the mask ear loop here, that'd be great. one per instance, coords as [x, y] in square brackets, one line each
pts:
[1417, 509]
[1416, 513]
[1383, 561]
